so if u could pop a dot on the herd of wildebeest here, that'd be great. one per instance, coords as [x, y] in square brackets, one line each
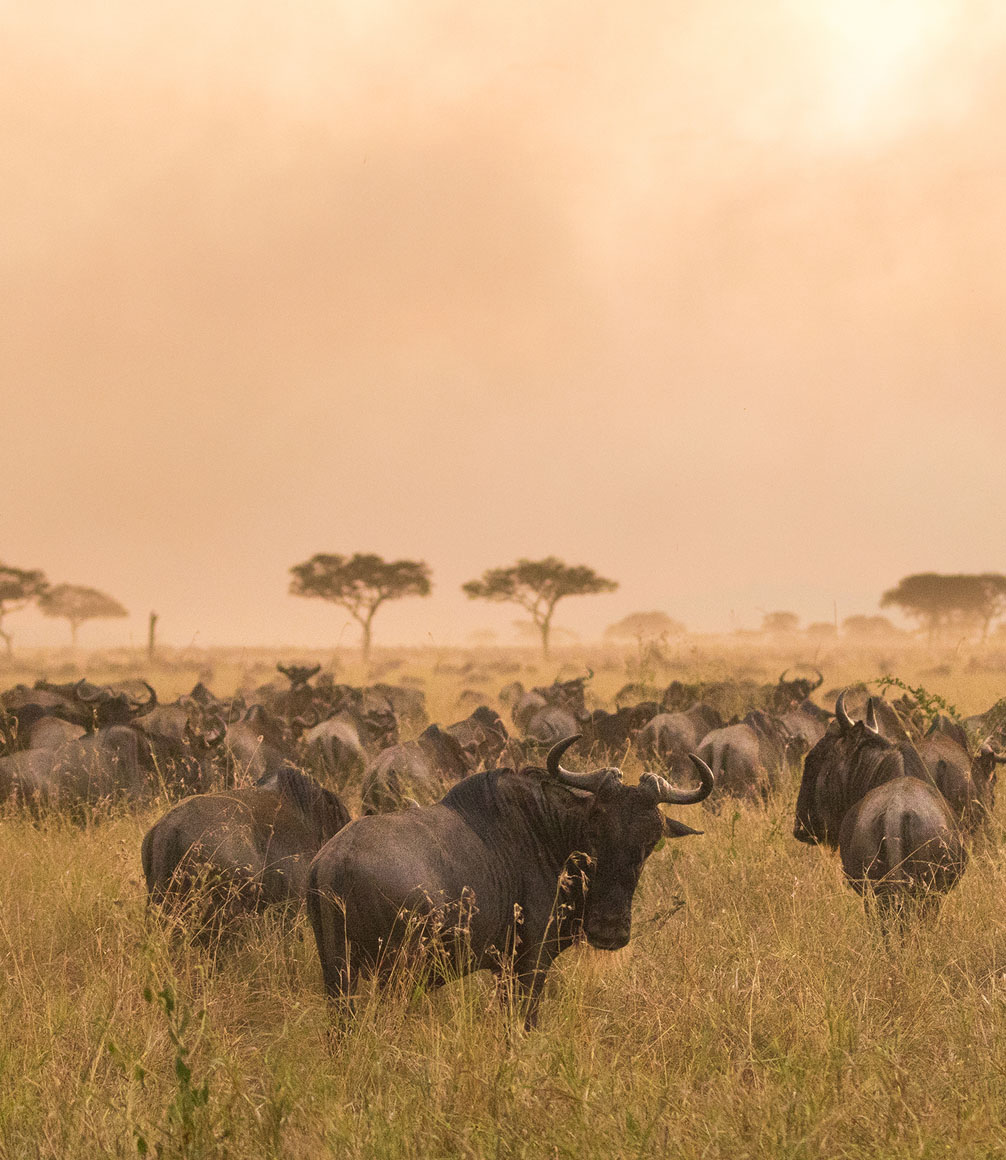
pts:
[475, 847]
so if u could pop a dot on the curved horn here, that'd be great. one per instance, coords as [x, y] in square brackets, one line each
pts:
[820, 678]
[870, 720]
[663, 791]
[782, 676]
[841, 713]
[138, 708]
[82, 695]
[308, 719]
[591, 781]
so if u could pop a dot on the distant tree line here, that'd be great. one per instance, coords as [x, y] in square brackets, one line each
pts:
[961, 603]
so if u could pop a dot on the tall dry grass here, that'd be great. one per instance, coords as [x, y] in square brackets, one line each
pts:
[756, 1012]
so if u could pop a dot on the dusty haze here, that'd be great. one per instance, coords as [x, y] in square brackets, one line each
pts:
[707, 295]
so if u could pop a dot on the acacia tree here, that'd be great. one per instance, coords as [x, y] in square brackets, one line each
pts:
[780, 623]
[18, 587]
[538, 586]
[642, 626]
[938, 601]
[360, 584]
[77, 604]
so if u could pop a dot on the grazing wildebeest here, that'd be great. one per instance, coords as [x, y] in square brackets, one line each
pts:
[901, 846]
[967, 783]
[416, 772]
[420, 772]
[611, 734]
[564, 696]
[484, 875]
[333, 749]
[98, 767]
[876, 801]
[257, 746]
[807, 721]
[746, 757]
[668, 737]
[240, 850]
[852, 758]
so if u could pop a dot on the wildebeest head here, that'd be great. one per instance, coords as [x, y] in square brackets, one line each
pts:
[298, 675]
[849, 760]
[624, 824]
[787, 694]
[104, 708]
[984, 776]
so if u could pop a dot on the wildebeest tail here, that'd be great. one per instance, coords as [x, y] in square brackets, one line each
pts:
[327, 917]
[160, 855]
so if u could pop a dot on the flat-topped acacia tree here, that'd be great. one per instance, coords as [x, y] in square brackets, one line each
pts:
[360, 584]
[18, 587]
[538, 586]
[77, 604]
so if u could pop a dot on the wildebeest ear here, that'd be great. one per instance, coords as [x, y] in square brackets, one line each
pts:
[675, 829]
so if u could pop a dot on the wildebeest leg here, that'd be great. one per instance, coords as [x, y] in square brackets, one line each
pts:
[529, 981]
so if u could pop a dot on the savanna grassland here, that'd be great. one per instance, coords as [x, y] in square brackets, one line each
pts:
[754, 1013]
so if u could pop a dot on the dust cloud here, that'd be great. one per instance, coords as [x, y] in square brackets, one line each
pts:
[706, 295]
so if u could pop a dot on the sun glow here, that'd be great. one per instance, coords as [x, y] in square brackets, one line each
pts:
[874, 58]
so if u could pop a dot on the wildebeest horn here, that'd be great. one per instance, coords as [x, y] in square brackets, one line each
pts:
[820, 678]
[307, 719]
[591, 781]
[81, 689]
[151, 700]
[663, 791]
[782, 676]
[870, 720]
[841, 713]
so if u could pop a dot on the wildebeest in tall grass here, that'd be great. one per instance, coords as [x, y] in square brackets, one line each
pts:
[483, 878]
[746, 757]
[876, 801]
[97, 768]
[421, 771]
[240, 850]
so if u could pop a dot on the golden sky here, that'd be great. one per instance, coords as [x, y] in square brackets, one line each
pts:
[709, 295]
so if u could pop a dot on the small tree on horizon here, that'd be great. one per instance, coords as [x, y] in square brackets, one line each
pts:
[962, 600]
[18, 588]
[78, 604]
[538, 586]
[642, 626]
[361, 584]
[780, 623]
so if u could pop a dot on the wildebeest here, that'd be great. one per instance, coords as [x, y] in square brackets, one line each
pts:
[900, 845]
[668, 737]
[540, 711]
[240, 850]
[807, 721]
[876, 800]
[98, 767]
[422, 771]
[746, 757]
[852, 758]
[967, 783]
[485, 876]
[258, 745]
[611, 734]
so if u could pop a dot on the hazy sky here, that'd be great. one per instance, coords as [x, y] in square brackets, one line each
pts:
[707, 294]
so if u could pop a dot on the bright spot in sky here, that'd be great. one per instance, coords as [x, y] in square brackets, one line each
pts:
[875, 58]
